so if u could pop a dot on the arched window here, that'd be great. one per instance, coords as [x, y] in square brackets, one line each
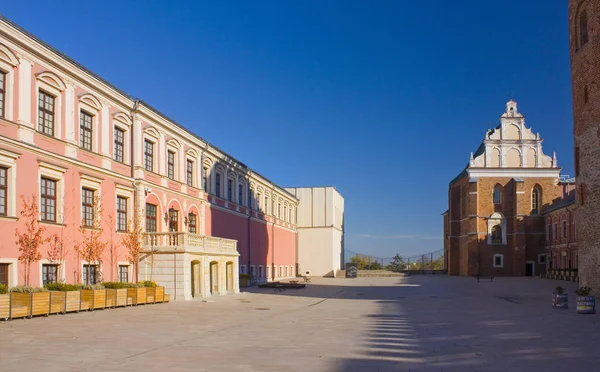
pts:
[498, 194]
[497, 234]
[535, 200]
[583, 28]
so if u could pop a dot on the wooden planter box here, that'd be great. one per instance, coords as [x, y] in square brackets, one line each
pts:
[111, 297]
[87, 299]
[99, 299]
[121, 297]
[57, 302]
[244, 282]
[167, 297]
[160, 294]
[150, 295]
[136, 296]
[20, 305]
[72, 301]
[40, 303]
[4, 306]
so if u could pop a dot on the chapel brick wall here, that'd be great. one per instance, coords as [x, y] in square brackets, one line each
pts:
[585, 72]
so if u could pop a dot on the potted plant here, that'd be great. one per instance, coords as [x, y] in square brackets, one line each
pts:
[245, 280]
[560, 299]
[586, 304]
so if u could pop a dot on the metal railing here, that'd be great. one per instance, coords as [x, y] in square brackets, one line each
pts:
[188, 242]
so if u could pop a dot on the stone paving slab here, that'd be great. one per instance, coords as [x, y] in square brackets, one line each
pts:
[417, 323]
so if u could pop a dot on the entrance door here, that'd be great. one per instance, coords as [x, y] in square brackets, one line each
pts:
[195, 278]
[529, 269]
[229, 276]
[214, 278]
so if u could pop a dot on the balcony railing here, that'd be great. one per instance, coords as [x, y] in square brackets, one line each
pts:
[182, 241]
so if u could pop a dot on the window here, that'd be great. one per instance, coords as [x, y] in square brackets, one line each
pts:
[535, 201]
[542, 259]
[279, 211]
[266, 204]
[583, 28]
[119, 144]
[576, 161]
[171, 165]
[218, 185]
[548, 232]
[564, 229]
[497, 195]
[252, 271]
[291, 271]
[4, 274]
[3, 190]
[2, 94]
[280, 271]
[260, 272]
[46, 113]
[241, 194]
[123, 273]
[48, 200]
[190, 173]
[230, 189]
[250, 193]
[205, 179]
[148, 155]
[121, 213]
[173, 220]
[89, 274]
[150, 218]
[192, 223]
[497, 234]
[85, 131]
[49, 274]
[87, 207]
[273, 207]
[555, 231]
[498, 260]
[242, 269]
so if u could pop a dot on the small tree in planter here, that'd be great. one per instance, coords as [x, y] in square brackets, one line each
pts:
[586, 304]
[560, 299]
[93, 244]
[31, 240]
[133, 242]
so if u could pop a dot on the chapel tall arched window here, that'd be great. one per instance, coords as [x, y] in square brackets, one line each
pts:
[497, 234]
[498, 194]
[535, 201]
[583, 28]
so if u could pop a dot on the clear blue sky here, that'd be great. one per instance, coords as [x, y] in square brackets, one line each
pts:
[383, 100]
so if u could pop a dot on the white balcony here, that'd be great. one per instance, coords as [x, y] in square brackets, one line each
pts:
[187, 242]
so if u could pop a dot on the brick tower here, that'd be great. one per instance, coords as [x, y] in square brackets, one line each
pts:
[584, 29]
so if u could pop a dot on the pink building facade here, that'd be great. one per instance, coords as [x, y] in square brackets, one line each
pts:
[67, 137]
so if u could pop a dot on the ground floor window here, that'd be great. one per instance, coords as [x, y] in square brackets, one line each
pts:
[563, 261]
[93, 272]
[260, 272]
[498, 260]
[4, 274]
[242, 269]
[49, 274]
[123, 273]
[252, 271]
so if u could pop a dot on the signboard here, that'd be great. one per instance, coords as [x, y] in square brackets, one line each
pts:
[351, 270]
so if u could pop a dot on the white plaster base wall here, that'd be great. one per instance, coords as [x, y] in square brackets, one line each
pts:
[175, 272]
[319, 251]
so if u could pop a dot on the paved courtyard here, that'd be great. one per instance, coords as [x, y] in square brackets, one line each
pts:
[420, 323]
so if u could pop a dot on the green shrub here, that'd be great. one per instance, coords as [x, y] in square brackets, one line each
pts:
[25, 289]
[135, 285]
[149, 284]
[115, 285]
[92, 287]
[63, 287]
[3, 289]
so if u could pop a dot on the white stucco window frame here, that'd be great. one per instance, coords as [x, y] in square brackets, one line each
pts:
[94, 184]
[90, 105]
[127, 193]
[53, 85]
[501, 256]
[9, 87]
[151, 135]
[8, 159]
[129, 270]
[174, 147]
[268, 271]
[55, 173]
[190, 156]
[275, 273]
[494, 220]
[63, 274]
[13, 273]
[252, 269]
[122, 122]
[261, 271]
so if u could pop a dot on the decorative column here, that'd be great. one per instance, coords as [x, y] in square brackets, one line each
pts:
[25, 94]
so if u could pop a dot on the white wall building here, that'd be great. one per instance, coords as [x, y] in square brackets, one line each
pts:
[320, 227]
